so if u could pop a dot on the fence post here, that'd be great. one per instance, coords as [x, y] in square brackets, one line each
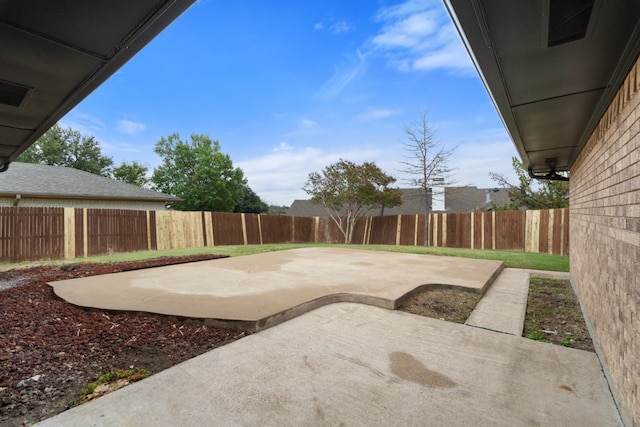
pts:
[473, 227]
[445, 220]
[260, 228]
[69, 233]
[493, 230]
[532, 231]
[550, 235]
[244, 229]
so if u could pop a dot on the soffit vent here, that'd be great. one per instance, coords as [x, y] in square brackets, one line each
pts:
[12, 94]
[568, 20]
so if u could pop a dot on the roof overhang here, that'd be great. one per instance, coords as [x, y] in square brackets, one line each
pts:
[552, 67]
[55, 53]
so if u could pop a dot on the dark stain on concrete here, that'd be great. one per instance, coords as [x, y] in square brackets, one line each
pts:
[565, 387]
[408, 368]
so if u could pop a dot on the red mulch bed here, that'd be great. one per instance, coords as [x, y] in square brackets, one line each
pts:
[50, 350]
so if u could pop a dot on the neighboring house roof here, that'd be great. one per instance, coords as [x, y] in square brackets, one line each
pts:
[456, 199]
[35, 180]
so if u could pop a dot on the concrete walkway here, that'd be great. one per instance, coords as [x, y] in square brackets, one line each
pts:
[345, 363]
[504, 305]
[358, 365]
[259, 291]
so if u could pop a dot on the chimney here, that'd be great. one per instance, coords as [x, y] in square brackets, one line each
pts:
[437, 195]
[487, 199]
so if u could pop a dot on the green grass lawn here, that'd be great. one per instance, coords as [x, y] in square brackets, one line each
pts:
[510, 258]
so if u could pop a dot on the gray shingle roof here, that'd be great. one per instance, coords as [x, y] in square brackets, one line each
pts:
[457, 199]
[60, 182]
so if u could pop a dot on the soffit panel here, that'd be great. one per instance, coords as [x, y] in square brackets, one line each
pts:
[61, 51]
[95, 26]
[50, 69]
[548, 97]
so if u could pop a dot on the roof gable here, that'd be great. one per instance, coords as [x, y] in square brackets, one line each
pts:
[457, 199]
[37, 180]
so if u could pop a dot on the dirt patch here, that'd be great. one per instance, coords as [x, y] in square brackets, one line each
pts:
[450, 304]
[554, 315]
[51, 351]
[553, 311]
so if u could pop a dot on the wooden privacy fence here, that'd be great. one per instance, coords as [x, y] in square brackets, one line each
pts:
[545, 231]
[28, 234]
[39, 233]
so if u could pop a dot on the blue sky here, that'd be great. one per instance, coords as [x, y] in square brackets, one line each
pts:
[290, 86]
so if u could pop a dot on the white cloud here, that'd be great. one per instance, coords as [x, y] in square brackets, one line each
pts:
[473, 161]
[278, 177]
[84, 123]
[307, 123]
[377, 114]
[283, 146]
[339, 27]
[418, 35]
[130, 127]
[343, 75]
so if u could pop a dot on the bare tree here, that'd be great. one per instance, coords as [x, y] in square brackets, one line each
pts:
[427, 161]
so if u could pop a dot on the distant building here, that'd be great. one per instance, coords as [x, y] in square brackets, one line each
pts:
[440, 199]
[34, 185]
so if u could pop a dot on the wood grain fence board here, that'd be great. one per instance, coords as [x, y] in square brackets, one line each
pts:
[28, 234]
[422, 229]
[407, 232]
[487, 226]
[478, 232]
[328, 231]
[37, 233]
[361, 230]
[458, 230]
[5, 235]
[114, 230]
[253, 230]
[153, 236]
[383, 230]
[303, 230]
[509, 230]
[276, 228]
[227, 228]
[79, 231]
[544, 234]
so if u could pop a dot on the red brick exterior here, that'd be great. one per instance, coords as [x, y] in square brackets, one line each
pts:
[605, 241]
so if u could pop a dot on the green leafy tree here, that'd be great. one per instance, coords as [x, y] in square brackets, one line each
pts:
[199, 173]
[547, 195]
[277, 210]
[251, 203]
[68, 147]
[131, 173]
[347, 191]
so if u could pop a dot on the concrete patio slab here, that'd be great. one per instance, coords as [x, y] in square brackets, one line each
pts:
[258, 291]
[357, 365]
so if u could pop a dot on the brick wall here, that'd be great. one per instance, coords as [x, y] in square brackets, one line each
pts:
[605, 241]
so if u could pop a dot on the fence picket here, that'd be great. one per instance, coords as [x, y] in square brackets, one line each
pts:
[39, 233]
